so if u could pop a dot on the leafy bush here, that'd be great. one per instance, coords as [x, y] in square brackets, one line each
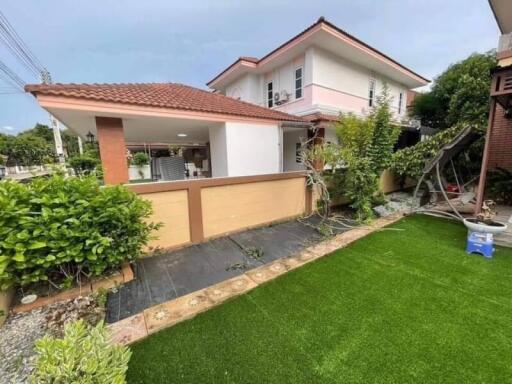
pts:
[409, 162]
[82, 356]
[58, 229]
[500, 186]
[366, 149]
[140, 159]
[83, 164]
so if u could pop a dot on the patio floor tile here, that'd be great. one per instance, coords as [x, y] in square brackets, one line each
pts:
[174, 274]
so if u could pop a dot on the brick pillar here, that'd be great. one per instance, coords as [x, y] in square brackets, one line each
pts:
[110, 134]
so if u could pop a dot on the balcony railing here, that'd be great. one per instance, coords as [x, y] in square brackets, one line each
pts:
[501, 87]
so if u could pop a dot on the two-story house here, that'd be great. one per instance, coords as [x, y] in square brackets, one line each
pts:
[253, 123]
[317, 74]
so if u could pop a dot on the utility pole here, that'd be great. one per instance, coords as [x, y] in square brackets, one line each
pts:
[80, 146]
[46, 78]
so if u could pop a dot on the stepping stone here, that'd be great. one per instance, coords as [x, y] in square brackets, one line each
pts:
[230, 288]
[128, 330]
[174, 311]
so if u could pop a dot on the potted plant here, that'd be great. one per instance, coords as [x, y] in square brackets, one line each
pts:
[139, 166]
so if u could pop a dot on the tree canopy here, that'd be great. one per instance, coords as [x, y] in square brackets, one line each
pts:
[35, 146]
[459, 95]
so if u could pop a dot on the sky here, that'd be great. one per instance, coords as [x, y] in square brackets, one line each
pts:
[112, 41]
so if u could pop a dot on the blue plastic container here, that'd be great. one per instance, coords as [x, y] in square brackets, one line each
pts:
[482, 243]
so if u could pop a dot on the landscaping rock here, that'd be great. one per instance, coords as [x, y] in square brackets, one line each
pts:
[397, 202]
[17, 338]
[20, 331]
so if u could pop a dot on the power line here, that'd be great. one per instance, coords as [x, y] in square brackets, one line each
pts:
[10, 76]
[18, 47]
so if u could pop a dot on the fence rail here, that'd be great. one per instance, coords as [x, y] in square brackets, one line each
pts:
[195, 210]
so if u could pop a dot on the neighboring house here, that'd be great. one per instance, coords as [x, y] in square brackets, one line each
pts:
[316, 75]
[254, 122]
[498, 145]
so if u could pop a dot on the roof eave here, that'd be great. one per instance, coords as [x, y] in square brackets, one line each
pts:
[319, 25]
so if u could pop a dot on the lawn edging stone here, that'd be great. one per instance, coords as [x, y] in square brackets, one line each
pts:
[123, 276]
[183, 308]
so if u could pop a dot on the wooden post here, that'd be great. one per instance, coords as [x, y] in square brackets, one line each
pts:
[485, 159]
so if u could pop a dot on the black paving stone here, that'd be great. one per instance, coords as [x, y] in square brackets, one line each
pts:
[167, 276]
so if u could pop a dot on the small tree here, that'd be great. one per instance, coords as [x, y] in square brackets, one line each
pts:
[365, 150]
[459, 95]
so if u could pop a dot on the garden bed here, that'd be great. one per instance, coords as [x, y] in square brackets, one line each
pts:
[96, 285]
[21, 330]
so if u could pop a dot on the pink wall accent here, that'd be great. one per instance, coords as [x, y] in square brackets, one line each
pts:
[299, 105]
[318, 95]
[337, 99]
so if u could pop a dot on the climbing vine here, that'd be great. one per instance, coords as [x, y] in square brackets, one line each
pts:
[365, 149]
[409, 162]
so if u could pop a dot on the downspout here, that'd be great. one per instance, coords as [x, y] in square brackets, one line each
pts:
[485, 159]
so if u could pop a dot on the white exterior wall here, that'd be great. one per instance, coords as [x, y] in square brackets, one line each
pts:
[331, 84]
[290, 140]
[253, 149]
[218, 151]
[246, 88]
[283, 78]
[330, 136]
[340, 75]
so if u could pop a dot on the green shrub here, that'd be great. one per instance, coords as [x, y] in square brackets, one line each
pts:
[409, 162]
[140, 159]
[499, 184]
[59, 229]
[83, 164]
[83, 355]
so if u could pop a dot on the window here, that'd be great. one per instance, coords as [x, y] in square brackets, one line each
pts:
[270, 95]
[371, 92]
[298, 83]
[400, 102]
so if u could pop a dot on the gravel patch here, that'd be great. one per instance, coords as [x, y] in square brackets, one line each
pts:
[19, 333]
[17, 337]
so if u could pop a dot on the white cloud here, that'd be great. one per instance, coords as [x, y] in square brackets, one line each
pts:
[8, 128]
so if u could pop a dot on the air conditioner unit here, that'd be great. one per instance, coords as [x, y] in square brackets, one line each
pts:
[281, 97]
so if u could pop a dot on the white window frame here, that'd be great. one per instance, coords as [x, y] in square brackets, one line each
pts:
[400, 102]
[270, 100]
[301, 78]
[371, 92]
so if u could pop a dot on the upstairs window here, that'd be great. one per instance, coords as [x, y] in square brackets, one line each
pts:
[270, 94]
[298, 83]
[371, 93]
[400, 102]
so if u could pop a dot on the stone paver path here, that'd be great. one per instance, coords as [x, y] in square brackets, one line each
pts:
[175, 274]
[185, 306]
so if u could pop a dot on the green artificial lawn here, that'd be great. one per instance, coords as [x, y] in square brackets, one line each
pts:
[405, 305]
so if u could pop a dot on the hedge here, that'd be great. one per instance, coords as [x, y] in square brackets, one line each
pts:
[61, 229]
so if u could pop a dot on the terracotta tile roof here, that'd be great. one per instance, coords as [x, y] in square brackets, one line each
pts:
[163, 95]
[317, 116]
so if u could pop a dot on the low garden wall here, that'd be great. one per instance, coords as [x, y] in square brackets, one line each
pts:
[195, 210]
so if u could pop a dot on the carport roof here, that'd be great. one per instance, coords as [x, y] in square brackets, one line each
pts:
[163, 95]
